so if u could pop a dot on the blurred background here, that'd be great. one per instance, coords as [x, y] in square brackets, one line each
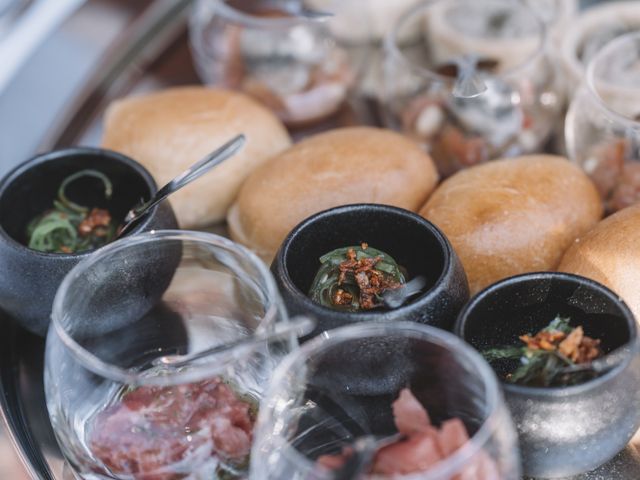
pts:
[48, 50]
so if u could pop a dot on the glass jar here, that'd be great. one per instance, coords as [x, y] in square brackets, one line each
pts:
[268, 50]
[340, 386]
[603, 123]
[118, 407]
[477, 84]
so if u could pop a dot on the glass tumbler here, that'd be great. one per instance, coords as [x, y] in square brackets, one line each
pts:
[120, 405]
[603, 123]
[477, 83]
[340, 387]
[268, 50]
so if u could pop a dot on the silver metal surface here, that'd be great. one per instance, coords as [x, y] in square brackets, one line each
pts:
[194, 172]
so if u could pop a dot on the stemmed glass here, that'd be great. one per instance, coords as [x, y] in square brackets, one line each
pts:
[118, 410]
[475, 85]
[603, 123]
[288, 62]
[340, 386]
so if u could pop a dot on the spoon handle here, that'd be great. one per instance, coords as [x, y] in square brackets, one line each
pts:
[468, 84]
[604, 364]
[197, 169]
[298, 326]
[395, 298]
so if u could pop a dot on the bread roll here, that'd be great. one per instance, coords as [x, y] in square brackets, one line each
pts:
[170, 130]
[609, 254]
[345, 166]
[513, 216]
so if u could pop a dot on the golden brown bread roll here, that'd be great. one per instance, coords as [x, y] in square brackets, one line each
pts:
[514, 215]
[172, 129]
[345, 166]
[610, 254]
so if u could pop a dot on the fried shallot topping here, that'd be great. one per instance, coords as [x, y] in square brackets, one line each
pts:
[575, 345]
[96, 223]
[547, 358]
[371, 282]
[352, 278]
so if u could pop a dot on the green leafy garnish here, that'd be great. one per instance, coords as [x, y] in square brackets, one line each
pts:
[69, 227]
[354, 278]
[545, 358]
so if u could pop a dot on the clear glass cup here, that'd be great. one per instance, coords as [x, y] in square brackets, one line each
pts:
[117, 409]
[603, 122]
[591, 30]
[498, 47]
[340, 386]
[291, 64]
[556, 15]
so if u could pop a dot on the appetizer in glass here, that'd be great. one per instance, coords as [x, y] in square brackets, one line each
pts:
[591, 30]
[417, 447]
[478, 83]
[276, 54]
[603, 122]
[130, 393]
[384, 401]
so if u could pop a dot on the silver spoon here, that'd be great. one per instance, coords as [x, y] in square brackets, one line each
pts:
[468, 83]
[397, 296]
[195, 171]
[298, 326]
[364, 451]
[601, 365]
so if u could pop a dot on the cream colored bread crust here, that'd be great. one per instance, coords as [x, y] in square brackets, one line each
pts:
[513, 216]
[340, 167]
[169, 130]
[610, 254]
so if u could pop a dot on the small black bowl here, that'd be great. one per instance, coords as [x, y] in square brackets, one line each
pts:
[415, 243]
[30, 278]
[563, 431]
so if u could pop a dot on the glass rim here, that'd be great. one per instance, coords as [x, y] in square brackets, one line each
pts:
[327, 339]
[590, 79]
[127, 376]
[392, 42]
[221, 7]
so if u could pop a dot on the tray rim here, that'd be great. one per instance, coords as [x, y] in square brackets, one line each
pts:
[16, 425]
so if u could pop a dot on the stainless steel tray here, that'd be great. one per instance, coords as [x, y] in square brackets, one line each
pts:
[151, 54]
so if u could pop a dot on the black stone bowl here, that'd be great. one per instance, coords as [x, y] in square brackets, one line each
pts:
[30, 278]
[563, 431]
[412, 241]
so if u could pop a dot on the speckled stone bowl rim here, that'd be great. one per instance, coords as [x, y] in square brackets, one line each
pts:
[547, 392]
[413, 304]
[56, 155]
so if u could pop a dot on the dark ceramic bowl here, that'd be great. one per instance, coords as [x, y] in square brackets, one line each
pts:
[563, 431]
[30, 278]
[412, 241]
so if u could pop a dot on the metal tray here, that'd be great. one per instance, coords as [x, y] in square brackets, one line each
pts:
[153, 53]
